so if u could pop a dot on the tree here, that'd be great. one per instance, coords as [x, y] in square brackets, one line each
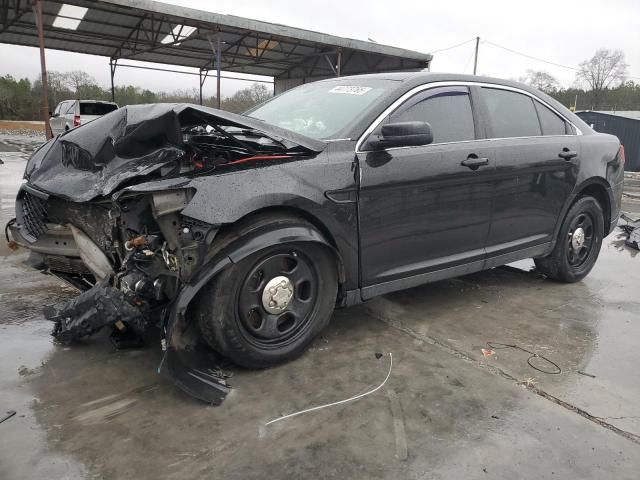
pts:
[77, 80]
[246, 98]
[604, 69]
[541, 80]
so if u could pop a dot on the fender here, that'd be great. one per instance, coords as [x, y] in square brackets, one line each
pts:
[572, 198]
[182, 363]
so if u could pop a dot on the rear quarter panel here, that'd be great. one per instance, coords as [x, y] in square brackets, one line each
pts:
[599, 163]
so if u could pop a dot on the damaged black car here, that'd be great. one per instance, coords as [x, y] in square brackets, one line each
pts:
[246, 231]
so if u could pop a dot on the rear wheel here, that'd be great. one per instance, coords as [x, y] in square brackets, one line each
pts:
[269, 306]
[578, 243]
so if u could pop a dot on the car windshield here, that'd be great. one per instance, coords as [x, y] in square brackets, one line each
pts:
[322, 109]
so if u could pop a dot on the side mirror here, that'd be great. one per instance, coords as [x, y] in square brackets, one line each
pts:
[402, 134]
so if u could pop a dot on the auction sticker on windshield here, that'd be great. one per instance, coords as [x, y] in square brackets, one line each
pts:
[350, 89]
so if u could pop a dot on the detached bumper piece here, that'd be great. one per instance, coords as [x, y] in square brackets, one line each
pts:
[191, 371]
[99, 307]
[632, 231]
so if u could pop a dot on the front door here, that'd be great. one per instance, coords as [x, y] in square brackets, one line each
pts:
[421, 210]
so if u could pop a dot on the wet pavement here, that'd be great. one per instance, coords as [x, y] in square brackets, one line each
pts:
[447, 411]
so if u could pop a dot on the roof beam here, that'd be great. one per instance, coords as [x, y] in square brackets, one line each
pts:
[135, 30]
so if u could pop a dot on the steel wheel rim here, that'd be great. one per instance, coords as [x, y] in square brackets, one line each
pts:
[580, 239]
[269, 330]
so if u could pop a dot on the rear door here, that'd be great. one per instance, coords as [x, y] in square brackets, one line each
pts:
[420, 209]
[536, 160]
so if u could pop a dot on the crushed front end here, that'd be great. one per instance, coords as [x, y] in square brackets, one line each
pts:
[102, 206]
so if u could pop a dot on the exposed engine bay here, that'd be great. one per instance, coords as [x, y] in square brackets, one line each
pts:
[103, 206]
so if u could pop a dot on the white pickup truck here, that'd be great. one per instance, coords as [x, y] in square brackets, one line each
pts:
[73, 113]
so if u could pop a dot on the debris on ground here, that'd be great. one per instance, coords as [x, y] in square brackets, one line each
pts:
[350, 399]
[586, 374]
[487, 352]
[632, 230]
[8, 415]
[92, 310]
[552, 367]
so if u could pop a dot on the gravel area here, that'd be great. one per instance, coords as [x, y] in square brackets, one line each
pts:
[22, 132]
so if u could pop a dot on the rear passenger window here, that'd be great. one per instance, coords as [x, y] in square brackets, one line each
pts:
[511, 114]
[551, 123]
[96, 108]
[70, 107]
[446, 109]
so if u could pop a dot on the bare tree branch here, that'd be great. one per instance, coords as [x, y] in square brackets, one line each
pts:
[541, 80]
[604, 69]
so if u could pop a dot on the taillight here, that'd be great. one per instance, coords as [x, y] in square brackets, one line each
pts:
[621, 155]
[76, 120]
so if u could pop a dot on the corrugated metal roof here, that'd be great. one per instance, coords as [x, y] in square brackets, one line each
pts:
[128, 29]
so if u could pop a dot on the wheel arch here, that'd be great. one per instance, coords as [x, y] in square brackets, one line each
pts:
[596, 187]
[601, 191]
[286, 211]
[226, 250]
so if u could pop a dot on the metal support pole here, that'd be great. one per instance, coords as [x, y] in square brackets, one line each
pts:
[113, 62]
[475, 61]
[37, 10]
[339, 64]
[218, 62]
[203, 77]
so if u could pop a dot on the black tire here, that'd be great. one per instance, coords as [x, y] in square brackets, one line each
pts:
[233, 318]
[570, 260]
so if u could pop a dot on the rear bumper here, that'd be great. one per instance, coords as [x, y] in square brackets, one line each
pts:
[616, 205]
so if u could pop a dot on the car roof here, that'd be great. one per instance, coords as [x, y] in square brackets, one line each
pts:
[96, 101]
[87, 101]
[412, 78]
[422, 76]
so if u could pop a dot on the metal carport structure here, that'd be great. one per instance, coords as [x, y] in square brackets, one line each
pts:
[150, 31]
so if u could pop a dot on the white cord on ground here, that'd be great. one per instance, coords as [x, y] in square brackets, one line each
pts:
[357, 397]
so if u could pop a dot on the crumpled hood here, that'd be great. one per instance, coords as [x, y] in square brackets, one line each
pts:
[96, 158]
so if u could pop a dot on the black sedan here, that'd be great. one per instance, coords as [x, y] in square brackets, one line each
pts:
[247, 230]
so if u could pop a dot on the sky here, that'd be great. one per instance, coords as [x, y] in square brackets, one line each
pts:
[564, 32]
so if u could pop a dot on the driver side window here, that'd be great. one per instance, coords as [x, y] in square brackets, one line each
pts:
[446, 109]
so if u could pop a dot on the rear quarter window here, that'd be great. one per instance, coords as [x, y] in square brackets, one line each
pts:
[551, 123]
[96, 108]
[511, 114]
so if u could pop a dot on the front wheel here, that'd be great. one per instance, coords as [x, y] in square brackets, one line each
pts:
[268, 307]
[578, 244]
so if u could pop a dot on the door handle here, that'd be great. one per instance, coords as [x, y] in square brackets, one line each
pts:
[567, 154]
[474, 162]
